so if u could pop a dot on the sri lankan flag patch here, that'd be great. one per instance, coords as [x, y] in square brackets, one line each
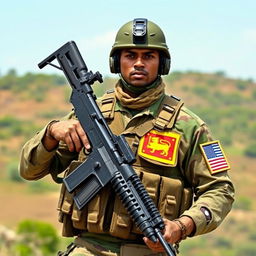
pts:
[214, 157]
[160, 146]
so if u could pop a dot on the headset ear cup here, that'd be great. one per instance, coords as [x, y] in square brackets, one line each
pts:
[164, 66]
[114, 63]
[111, 65]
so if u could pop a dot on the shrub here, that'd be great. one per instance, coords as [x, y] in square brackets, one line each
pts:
[13, 173]
[37, 235]
[212, 82]
[248, 249]
[226, 139]
[200, 90]
[184, 87]
[243, 203]
[250, 150]
[220, 73]
[223, 242]
[241, 85]
[252, 235]
[11, 126]
[254, 94]
[23, 250]
[41, 186]
[7, 121]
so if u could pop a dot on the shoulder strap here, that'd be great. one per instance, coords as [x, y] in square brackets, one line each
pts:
[167, 115]
[108, 102]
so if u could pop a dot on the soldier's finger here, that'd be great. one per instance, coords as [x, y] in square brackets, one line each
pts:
[83, 137]
[68, 140]
[76, 141]
[157, 247]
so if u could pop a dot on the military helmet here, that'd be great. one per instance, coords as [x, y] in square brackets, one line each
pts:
[140, 33]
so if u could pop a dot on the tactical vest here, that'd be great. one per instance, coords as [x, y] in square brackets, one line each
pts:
[164, 183]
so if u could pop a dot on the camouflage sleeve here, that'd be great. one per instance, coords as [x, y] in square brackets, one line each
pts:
[213, 193]
[36, 161]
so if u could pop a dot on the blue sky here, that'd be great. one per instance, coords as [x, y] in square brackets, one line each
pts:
[202, 35]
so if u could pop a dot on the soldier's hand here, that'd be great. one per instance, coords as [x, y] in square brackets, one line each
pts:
[172, 234]
[69, 131]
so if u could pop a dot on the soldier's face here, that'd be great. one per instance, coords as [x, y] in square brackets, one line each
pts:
[139, 67]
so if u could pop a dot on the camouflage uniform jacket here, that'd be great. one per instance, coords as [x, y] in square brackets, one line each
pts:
[214, 192]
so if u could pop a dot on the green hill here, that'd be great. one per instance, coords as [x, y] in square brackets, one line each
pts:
[228, 105]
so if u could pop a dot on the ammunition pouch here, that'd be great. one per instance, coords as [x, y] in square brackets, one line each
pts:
[105, 215]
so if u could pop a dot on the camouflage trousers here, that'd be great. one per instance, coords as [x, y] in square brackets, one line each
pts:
[83, 248]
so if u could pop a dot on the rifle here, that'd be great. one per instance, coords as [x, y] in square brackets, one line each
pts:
[111, 158]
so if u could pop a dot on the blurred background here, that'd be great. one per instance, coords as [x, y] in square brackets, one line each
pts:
[213, 49]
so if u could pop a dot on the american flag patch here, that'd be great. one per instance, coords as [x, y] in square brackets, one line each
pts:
[214, 157]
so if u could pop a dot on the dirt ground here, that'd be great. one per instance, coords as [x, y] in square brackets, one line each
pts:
[17, 205]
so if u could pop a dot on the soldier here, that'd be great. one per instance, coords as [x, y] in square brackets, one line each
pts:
[181, 166]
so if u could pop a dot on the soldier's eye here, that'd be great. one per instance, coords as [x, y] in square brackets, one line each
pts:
[149, 56]
[130, 56]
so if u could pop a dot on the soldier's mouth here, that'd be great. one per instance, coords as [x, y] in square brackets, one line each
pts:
[139, 74]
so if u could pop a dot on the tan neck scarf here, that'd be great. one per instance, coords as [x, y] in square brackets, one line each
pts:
[141, 101]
